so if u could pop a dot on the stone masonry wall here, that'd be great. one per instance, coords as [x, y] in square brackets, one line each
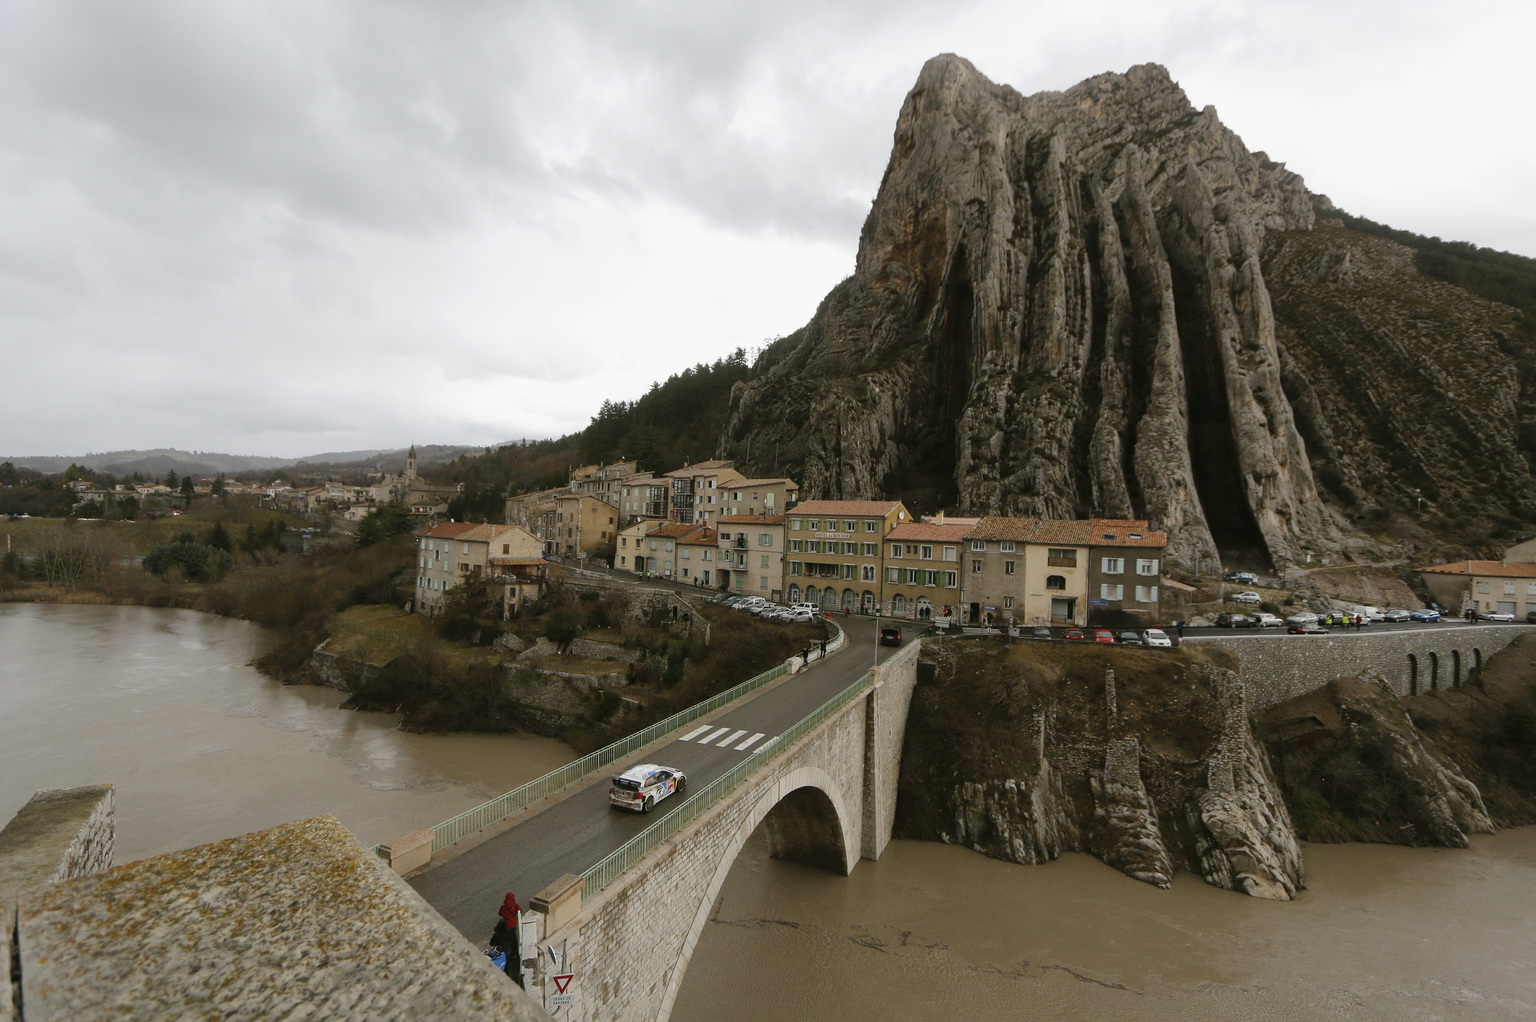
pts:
[341, 672]
[631, 944]
[886, 730]
[1279, 667]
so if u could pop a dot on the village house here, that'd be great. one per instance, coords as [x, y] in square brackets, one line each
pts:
[645, 496]
[606, 482]
[584, 525]
[1125, 564]
[536, 512]
[658, 554]
[922, 570]
[751, 556]
[1488, 587]
[448, 554]
[628, 555]
[834, 557]
[759, 496]
[697, 554]
[697, 491]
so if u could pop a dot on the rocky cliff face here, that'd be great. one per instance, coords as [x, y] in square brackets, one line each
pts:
[1028, 752]
[1062, 305]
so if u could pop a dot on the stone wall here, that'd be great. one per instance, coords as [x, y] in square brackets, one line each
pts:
[631, 944]
[341, 672]
[1278, 667]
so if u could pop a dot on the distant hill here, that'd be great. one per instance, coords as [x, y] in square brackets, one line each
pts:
[162, 460]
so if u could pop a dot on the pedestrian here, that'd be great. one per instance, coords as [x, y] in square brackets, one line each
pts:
[846, 610]
[1180, 627]
[505, 937]
[1358, 622]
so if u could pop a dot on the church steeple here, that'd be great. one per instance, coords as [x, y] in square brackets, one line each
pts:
[410, 465]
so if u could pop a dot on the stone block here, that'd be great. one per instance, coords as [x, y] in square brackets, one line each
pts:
[560, 902]
[408, 851]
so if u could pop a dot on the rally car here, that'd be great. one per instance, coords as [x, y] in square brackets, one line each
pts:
[639, 788]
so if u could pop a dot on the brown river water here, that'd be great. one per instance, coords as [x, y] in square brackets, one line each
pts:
[201, 746]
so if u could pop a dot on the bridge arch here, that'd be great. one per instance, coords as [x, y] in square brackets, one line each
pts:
[1413, 675]
[1434, 671]
[805, 799]
[1477, 658]
[1455, 668]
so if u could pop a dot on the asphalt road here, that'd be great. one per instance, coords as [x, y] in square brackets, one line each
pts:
[1371, 629]
[579, 830]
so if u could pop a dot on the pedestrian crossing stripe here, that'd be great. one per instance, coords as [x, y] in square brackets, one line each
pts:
[728, 739]
[712, 737]
[746, 744]
[690, 736]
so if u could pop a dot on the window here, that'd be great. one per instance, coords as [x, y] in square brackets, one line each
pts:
[796, 546]
[466, 548]
[794, 567]
[866, 573]
[979, 544]
[1008, 567]
[706, 554]
[849, 571]
[1482, 587]
[893, 575]
[669, 546]
[1146, 594]
[813, 546]
[765, 561]
[851, 526]
[951, 579]
[794, 524]
[653, 544]
[1066, 558]
[623, 541]
[813, 524]
[870, 550]
[930, 578]
[914, 577]
[1509, 588]
[976, 566]
[927, 553]
[1007, 602]
[851, 549]
[1006, 546]
[895, 549]
[762, 582]
[869, 526]
[951, 554]
[765, 539]
[1108, 592]
[1113, 565]
[1055, 582]
[1530, 589]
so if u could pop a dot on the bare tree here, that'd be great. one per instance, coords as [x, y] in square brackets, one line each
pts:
[65, 555]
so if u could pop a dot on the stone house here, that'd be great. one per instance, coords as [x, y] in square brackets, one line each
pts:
[1488, 587]
[658, 554]
[697, 554]
[441, 561]
[645, 496]
[1004, 581]
[629, 545]
[449, 553]
[697, 489]
[1125, 563]
[922, 570]
[835, 557]
[751, 554]
[584, 524]
[759, 496]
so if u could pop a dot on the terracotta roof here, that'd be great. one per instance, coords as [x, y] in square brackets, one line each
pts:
[701, 467]
[951, 520]
[761, 482]
[751, 520]
[1494, 569]
[706, 535]
[1124, 532]
[677, 530]
[492, 532]
[1173, 583]
[839, 508]
[448, 530]
[999, 527]
[928, 533]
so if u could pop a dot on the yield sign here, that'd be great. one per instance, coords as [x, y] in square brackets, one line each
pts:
[561, 982]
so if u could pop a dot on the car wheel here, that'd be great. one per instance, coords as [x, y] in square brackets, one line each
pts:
[682, 785]
[645, 806]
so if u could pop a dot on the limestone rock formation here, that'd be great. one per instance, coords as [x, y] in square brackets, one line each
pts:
[1039, 757]
[1062, 306]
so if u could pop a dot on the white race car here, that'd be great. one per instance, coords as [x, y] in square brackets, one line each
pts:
[641, 787]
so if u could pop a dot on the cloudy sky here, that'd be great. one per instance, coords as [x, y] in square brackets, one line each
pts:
[285, 227]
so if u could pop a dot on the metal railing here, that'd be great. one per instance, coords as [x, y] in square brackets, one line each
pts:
[452, 831]
[622, 858]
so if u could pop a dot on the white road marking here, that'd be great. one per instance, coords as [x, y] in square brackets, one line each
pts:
[690, 736]
[711, 738]
[728, 739]
[744, 745]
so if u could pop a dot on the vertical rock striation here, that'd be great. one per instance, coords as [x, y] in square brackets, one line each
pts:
[1060, 308]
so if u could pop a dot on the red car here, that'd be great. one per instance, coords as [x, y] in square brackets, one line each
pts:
[1075, 633]
[1104, 635]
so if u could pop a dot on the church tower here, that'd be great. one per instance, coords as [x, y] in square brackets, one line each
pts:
[410, 466]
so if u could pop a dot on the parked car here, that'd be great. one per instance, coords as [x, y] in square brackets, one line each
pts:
[1530, 617]
[1248, 596]
[1230, 620]
[801, 616]
[1306, 629]
[1264, 620]
[1103, 635]
[1042, 633]
[1497, 616]
[1425, 614]
[1129, 638]
[1074, 633]
[641, 787]
[1156, 637]
[1394, 615]
[890, 635]
[814, 608]
[1242, 578]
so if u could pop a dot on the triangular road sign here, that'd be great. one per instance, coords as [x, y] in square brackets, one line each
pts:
[561, 982]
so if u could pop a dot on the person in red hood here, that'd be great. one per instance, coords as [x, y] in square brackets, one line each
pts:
[506, 936]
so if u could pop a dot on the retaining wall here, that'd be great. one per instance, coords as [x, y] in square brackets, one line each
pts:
[1280, 667]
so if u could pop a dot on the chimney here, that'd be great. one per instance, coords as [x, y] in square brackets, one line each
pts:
[941, 517]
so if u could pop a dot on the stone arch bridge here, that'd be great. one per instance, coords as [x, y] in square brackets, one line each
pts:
[827, 800]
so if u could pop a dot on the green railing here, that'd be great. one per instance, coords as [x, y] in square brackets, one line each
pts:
[470, 821]
[638, 847]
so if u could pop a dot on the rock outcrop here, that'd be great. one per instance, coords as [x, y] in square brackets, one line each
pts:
[1062, 306]
[1038, 756]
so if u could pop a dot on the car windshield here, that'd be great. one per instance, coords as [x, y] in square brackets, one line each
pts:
[1155, 633]
[628, 784]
